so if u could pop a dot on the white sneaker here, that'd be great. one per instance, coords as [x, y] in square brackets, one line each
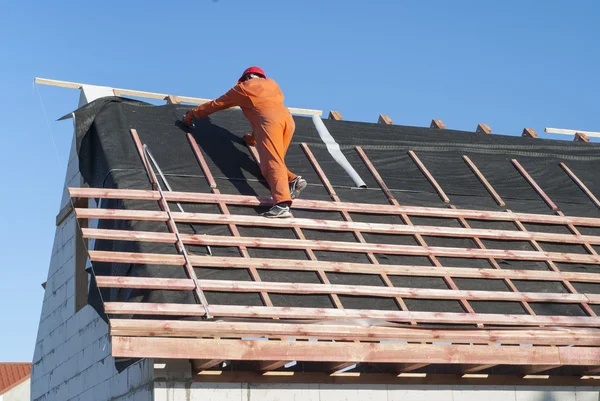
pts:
[278, 212]
[297, 185]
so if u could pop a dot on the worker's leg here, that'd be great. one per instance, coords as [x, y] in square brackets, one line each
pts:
[297, 183]
[288, 133]
[271, 149]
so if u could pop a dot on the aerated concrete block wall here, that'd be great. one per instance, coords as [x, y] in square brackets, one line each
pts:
[173, 391]
[72, 358]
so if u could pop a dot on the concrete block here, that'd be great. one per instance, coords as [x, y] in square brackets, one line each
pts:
[587, 393]
[178, 391]
[545, 394]
[68, 249]
[56, 243]
[488, 393]
[69, 228]
[418, 393]
[87, 315]
[72, 325]
[102, 391]
[288, 392]
[142, 394]
[87, 395]
[72, 169]
[76, 387]
[333, 392]
[39, 388]
[136, 375]
[118, 385]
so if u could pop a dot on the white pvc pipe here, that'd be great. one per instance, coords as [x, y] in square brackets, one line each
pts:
[336, 152]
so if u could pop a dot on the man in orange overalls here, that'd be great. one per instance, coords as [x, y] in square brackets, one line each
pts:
[272, 124]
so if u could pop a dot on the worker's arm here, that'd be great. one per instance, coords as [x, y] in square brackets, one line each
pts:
[232, 98]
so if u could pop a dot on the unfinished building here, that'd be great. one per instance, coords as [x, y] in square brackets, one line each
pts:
[420, 263]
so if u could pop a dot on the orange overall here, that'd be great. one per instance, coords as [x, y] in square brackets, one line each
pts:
[272, 124]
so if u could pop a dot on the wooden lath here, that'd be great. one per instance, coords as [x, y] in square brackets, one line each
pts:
[328, 289]
[319, 314]
[339, 246]
[347, 332]
[341, 267]
[188, 348]
[571, 132]
[157, 96]
[244, 200]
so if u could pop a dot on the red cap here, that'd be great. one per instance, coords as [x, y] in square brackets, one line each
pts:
[253, 70]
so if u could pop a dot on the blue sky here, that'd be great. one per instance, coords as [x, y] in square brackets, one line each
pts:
[510, 64]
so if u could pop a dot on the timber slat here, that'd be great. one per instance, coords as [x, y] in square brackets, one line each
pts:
[274, 312]
[400, 229]
[149, 283]
[196, 239]
[192, 348]
[328, 289]
[339, 267]
[346, 332]
[138, 194]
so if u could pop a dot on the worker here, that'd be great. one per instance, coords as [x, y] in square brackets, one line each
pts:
[272, 124]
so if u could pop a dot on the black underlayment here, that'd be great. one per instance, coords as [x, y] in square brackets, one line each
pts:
[108, 159]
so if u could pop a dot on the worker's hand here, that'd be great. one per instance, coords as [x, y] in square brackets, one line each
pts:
[188, 118]
[250, 140]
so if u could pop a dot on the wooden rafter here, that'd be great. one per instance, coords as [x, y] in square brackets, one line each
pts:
[581, 185]
[406, 219]
[429, 176]
[164, 205]
[534, 185]
[484, 181]
[348, 219]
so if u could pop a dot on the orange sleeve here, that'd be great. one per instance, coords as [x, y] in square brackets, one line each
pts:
[233, 97]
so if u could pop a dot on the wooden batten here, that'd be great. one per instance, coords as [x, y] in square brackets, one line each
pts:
[335, 115]
[384, 119]
[438, 124]
[581, 137]
[197, 197]
[529, 133]
[171, 99]
[483, 129]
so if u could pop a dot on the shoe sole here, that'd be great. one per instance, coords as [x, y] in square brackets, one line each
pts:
[279, 216]
[298, 190]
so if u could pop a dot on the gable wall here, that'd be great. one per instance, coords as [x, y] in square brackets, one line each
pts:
[72, 358]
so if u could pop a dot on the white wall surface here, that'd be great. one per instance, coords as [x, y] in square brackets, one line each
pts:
[165, 391]
[18, 393]
[72, 358]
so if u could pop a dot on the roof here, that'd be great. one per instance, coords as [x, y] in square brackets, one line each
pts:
[13, 373]
[461, 242]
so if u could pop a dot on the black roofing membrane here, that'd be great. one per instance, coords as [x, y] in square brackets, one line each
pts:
[108, 159]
